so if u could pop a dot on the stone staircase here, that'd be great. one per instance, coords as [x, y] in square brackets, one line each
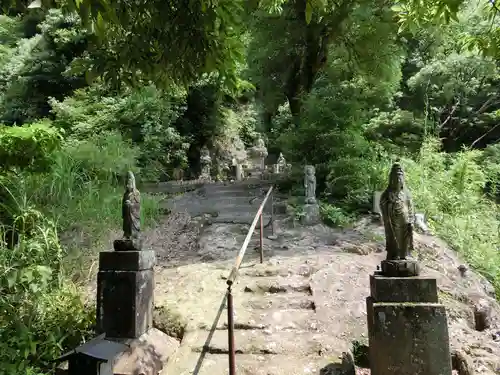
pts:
[236, 202]
[277, 330]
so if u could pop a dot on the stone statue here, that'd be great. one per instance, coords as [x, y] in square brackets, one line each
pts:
[396, 207]
[310, 184]
[206, 163]
[131, 215]
[260, 143]
[281, 164]
[259, 153]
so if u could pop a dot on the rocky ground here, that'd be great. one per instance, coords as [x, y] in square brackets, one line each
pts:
[305, 305]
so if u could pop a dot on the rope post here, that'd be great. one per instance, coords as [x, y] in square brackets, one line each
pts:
[230, 332]
[272, 213]
[261, 239]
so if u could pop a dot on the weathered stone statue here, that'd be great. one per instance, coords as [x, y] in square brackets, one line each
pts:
[131, 215]
[311, 214]
[396, 207]
[310, 184]
[259, 153]
[206, 163]
[280, 164]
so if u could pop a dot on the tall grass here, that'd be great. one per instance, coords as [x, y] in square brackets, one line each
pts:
[42, 312]
[448, 188]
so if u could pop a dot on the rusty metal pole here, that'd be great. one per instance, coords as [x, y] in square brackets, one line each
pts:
[272, 213]
[230, 332]
[261, 240]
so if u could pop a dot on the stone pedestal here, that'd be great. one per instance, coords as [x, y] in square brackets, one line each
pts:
[400, 268]
[407, 327]
[125, 286]
[311, 214]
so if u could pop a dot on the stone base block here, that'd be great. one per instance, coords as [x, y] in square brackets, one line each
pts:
[403, 289]
[400, 268]
[147, 354]
[126, 260]
[128, 244]
[408, 339]
[311, 215]
[124, 303]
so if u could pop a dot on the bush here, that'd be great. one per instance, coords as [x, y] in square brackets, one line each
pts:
[144, 116]
[42, 313]
[448, 189]
[28, 147]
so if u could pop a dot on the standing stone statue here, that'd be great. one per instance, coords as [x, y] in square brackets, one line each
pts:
[280, 164]
[310, 184]
[396, 207]
[131, 215]
[206, 163]
[259, 153]
[311, 208]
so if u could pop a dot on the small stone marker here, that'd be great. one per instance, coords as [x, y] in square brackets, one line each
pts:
[311, 208]
[239, 172]
[407, 326]
[376, 202]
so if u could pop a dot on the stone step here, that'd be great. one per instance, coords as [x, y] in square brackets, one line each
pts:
[295, 301]
[251, 364]
[293, 343]
[253, 200]
[228, 210]
[251, 189]
[233, 218]
[277, 285]
[270, 270]
[273, 319]
[233, 194]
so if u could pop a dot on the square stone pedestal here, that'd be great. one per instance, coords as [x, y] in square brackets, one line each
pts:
[125, 286]
[407, 327]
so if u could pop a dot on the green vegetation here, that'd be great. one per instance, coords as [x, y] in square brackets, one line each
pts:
[89, 90]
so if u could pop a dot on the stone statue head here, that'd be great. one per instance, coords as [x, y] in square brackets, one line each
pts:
[130, 184]
[310, 170]
[260, 143]
[397, 177]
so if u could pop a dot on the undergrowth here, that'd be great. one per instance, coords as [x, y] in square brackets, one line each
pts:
[55, 223]
[448, 188]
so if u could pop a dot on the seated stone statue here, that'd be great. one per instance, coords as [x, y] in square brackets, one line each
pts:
[397, 214]
[131, 215]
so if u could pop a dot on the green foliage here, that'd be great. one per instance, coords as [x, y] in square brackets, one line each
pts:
[448, 189]
[399, 131]
[36, 69]
[200, 37]
[28, 147]
[42, 313]
[145, 116]
[335, 216]
[460, 92]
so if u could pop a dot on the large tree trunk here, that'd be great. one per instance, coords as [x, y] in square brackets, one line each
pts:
[312, 57]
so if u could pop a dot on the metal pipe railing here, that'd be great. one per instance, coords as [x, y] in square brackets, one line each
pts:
[234, 274]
